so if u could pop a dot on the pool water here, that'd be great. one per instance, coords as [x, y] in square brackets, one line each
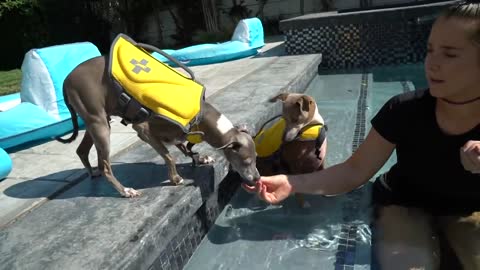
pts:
[335, 232]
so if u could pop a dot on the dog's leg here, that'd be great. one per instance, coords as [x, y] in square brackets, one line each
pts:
[83, 150]
[197, 159]
[99, 158]
[188, 153]
[161, 149]
[100, 132]
[175, 178]
[143, 132]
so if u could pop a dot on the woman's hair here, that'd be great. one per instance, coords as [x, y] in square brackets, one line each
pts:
[467, 10]
[464, 9]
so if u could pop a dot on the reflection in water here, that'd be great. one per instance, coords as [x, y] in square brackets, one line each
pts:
[287, 228]
[321, 239]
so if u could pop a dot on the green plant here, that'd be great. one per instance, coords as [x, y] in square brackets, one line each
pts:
[10, 81]
[24, 27]
[188, 18]
[11, 5]
[239, 11]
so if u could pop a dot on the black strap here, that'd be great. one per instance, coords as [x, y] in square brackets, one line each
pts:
[130, 110]
[320, 139]
[194, 155]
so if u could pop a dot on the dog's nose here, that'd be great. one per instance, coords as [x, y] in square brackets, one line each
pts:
[251, 179]
[257, 176]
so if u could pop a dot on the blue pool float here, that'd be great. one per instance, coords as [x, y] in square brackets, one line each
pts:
[246, 40]
[39, 112]
[5, 164]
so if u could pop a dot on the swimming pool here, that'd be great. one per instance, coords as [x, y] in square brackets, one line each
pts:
[335, 232]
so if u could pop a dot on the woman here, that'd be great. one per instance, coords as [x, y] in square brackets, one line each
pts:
[435, 184]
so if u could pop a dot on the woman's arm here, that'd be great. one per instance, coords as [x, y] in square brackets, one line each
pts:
[354, 172]
[341, 178]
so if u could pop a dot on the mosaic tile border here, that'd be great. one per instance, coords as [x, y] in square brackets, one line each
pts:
[346, 251]
[361, 46]
[362, 40]
[360, 129]
[182, 246]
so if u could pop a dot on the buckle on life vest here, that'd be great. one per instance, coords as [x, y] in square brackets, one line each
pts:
[123, 100]
[132, 110]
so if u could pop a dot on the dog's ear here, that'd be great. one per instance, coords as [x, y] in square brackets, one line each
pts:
[282, 97]
[231, 145]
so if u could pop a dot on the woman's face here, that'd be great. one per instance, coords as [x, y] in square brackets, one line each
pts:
[452, 64]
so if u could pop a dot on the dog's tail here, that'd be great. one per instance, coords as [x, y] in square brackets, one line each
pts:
[74, 121]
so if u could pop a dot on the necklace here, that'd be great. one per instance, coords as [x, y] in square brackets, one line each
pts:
[460, 102]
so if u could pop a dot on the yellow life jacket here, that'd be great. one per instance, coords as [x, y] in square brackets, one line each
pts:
[164, 91]
[194, 136]
[268, 141]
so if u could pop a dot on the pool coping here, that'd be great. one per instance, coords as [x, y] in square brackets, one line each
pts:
[356, 17]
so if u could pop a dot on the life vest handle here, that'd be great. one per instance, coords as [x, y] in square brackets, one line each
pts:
[264, 124]
[312, 125]
[155, 49]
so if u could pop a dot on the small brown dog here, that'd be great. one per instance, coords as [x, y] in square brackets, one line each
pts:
[296, 142]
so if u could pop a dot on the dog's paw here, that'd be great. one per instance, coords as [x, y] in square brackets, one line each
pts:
[177, 180]
[202, 160]
[130, 193]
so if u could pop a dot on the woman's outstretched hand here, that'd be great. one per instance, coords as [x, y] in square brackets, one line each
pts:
[470, 156]
[272, 189]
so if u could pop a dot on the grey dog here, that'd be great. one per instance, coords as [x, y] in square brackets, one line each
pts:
[90, 91]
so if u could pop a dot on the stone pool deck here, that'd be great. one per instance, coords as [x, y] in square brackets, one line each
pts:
[53, 216]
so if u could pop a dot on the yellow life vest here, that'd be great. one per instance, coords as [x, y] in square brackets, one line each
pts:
[160, 88]
[269, 140]
[195, 136]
